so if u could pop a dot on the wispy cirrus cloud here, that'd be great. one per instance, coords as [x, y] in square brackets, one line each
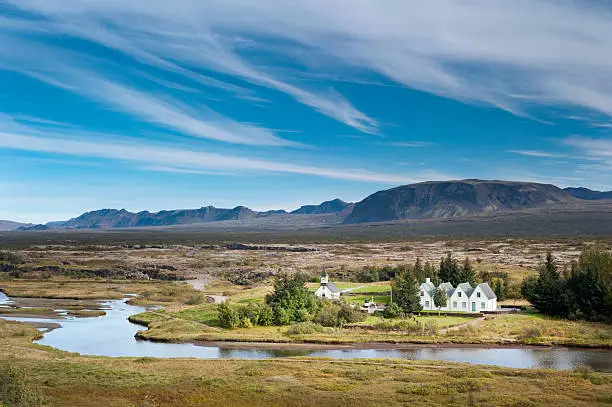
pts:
[506, 54]
[66, 70]
[536, 153]
[182, 43]
[167, 158]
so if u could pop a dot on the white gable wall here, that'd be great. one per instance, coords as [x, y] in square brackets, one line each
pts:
[425, 299]
[481, 302]
[459, 301]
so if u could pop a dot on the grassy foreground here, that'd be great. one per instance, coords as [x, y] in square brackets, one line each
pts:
[64, 379]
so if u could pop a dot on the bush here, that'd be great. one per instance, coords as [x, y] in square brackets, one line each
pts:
[328, 314]
[305, 328]
[392, 311]
[531, 332]
[228, 317]
[349, 314]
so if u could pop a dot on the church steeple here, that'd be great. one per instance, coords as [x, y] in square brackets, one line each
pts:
[324, 277]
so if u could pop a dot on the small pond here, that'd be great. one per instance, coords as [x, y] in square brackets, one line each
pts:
[113, 335]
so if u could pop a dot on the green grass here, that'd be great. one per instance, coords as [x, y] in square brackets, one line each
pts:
[359, 299]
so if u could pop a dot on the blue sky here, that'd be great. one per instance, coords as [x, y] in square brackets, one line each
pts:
[273, 104]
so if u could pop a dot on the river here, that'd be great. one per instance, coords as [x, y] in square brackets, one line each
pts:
[113, 335]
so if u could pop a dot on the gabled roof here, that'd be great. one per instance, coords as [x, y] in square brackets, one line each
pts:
[488, 292]
[332, 287]
[448, 288]
[429, 287]
[466, 288]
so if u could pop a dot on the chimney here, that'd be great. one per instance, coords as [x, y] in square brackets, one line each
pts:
[428, 280]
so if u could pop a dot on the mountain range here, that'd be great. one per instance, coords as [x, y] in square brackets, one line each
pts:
[588, 194]
[425, 200]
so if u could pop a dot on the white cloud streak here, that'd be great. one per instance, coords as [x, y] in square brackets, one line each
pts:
[63, 70]
[180, 42]
[535, 153]
[169, 159]
[505, 54]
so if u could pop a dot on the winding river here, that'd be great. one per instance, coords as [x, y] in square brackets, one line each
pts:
[113, 335]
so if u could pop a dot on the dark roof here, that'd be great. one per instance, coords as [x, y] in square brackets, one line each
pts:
[448, 288]
[466, 288]
[488, 292]
[324, 272]
[332, 287]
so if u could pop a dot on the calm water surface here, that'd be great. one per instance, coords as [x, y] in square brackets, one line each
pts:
[113, 335]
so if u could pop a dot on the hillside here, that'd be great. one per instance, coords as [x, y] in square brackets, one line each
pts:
[10, 225]
[329, 212]
[335, 205]
[588, 194]
[115, 218]
[451, 199]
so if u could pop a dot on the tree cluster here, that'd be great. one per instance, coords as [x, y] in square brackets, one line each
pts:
[582, 292]
[372, 274]
[452, 272]
[289, 303]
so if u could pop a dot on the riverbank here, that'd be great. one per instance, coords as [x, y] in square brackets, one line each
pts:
[198, 324]
[65, 379]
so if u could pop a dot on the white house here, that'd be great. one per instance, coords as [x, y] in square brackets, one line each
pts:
[464, 298]
[327, 290]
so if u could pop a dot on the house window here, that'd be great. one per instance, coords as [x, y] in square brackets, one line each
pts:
[459, 294]
[478, 295]
[464, 304]
[454, 304]
[482, 305]
[422, 293]
[427, 303]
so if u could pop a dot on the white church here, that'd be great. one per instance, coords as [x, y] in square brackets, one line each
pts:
[464, 298]
[327, 289]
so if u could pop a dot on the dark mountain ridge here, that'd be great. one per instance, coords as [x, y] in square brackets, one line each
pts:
[588, 194]
[121, 218]
[335, 205]
[451, 199]
[425, 200]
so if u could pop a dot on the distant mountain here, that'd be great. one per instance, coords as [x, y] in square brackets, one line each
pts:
[121, 218]
[588, 194]
[10, 225]
[115, 218]
[335, 205]
[426, 200]
[449, 199]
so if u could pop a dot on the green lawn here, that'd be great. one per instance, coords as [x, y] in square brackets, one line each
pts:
[354, 299]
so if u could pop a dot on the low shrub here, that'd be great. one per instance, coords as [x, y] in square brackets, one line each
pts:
[305, 328]
[531, 332]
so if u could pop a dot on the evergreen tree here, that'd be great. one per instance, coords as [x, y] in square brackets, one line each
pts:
[440, 298]
[499, 289]
[467, 274]
[406, 292]
[290, 298]
[430, 271]
[449, 270]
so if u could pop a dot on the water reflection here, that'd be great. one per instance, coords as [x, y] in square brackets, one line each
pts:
[113, 335]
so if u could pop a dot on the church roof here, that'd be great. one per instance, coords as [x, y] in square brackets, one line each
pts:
[332, 287]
